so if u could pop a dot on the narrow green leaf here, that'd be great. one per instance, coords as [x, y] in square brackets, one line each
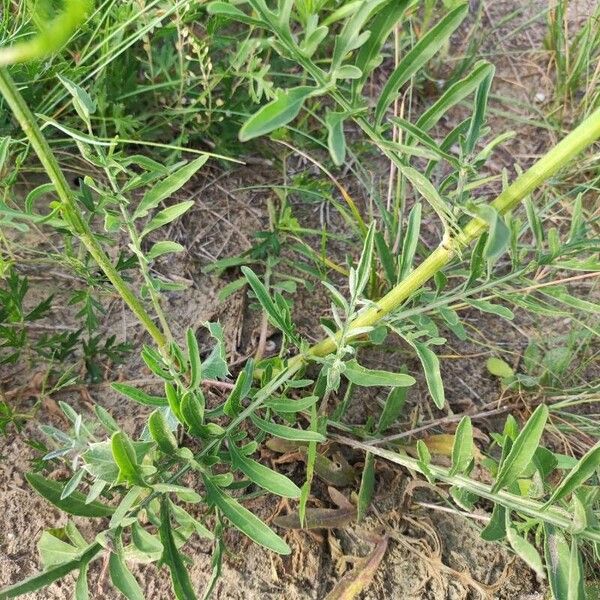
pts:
[409, 243]
[426, 189]
[277, 113]
[370, 56]
[392, 409]
[243, 385]
[182, 586]
[139, 396]
[194, 359]
[360, 278]
[81, 586]
[364, 377]
[164, 247]
[192, 411]
[462, 449]
[262, 295]
[166, 216]
[386, 258]
[351, 35]
[161, 432]
[427, 141]
[418, 56]
[72, 484]
[585, 468]
[263, 476]
[367, 486]
[125, 506]
[454, 94]
[287, 433]
[431, 367]
[241, 518]
[494, 309]
[576, 585]
[82, 101]
[173, 402]
[557, 556]
[495, 530]
[227, 10]
[74, 504]
[122, 578]
[522, 450]
[336, 140]
[287, 405]
[479, 111]
[525, 550]
[125, 458]
[167, 187]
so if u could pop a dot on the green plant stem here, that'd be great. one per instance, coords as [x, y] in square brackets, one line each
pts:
[532, 508]
[575, 142]
[70, 210]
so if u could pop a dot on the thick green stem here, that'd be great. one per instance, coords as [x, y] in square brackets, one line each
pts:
[70, 210]
[579, 139]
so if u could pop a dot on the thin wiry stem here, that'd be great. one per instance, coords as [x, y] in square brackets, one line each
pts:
[70, 210]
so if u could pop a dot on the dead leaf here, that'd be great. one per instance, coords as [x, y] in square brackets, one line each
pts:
[354, 582]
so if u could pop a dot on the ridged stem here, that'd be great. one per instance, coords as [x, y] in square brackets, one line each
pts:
[565, 151]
